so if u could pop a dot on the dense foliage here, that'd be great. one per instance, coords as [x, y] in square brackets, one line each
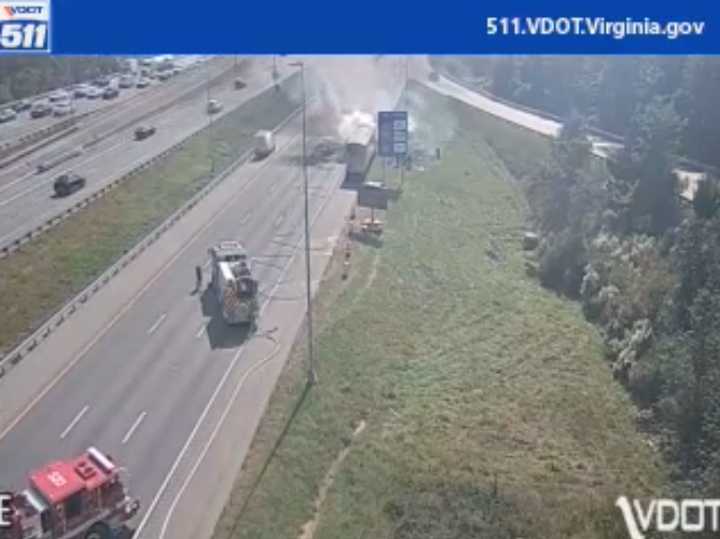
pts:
[26, 76]
[616, 235]
[608, 91]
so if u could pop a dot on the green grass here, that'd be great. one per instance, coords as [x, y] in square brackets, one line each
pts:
[44, 274]
[490, 410]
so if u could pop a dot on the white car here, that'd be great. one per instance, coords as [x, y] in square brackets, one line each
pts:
[93, 92]
[7, 115]
[127, 81]
[63, 109]
[60, 95]
[81, 90]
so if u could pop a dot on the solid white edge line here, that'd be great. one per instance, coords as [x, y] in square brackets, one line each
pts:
[184, 449]
[239, 386]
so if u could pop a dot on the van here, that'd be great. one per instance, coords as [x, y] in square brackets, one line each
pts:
[264, 144]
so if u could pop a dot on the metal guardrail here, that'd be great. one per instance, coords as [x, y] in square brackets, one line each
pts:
[9, 148]
[55, 320]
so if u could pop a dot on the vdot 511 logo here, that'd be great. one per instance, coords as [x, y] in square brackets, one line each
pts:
[664, 515]
[24, 26]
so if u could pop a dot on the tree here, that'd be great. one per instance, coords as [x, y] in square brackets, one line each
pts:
[705, 201]
[699, 92]
[503, 77]
[646, 165]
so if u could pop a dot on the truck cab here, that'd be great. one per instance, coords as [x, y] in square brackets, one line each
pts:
[78, 498]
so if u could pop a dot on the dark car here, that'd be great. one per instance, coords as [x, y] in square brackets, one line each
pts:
[240, 84]
[40, 110]
[22, 105]
[67, 184]
[110, 93]
[144, 131]
[101, 82]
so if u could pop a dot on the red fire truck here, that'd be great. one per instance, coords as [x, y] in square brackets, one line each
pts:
[80, 498]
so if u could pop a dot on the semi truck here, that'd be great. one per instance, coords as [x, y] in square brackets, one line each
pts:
[78, 498]
[233, 283]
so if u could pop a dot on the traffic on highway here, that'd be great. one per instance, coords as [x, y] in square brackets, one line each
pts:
[241, 293]
[142, 376]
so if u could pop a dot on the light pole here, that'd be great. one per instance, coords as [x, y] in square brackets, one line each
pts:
[312, 375]
[210, 119]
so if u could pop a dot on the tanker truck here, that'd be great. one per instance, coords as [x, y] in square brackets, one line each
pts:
[233, 283]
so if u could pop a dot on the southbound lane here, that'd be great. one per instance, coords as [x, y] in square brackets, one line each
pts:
[139, 390]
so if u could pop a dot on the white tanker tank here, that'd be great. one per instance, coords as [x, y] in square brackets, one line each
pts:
[358, 130]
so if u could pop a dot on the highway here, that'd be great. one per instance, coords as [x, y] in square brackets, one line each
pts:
[26, 197]
[138, 388]
[129, 106]
[24, 124]
[147, 370]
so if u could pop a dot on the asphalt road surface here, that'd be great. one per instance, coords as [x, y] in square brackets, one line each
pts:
[145, 384]
[147, 370]
[24, 124]
[26, 197]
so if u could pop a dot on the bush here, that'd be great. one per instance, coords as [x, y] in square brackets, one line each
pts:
[562, 262]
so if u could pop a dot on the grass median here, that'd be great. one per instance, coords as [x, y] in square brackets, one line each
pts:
[487, 406]
[38, 279]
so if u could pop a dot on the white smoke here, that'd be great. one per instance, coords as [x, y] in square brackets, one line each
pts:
[352, 89]
[432, 122]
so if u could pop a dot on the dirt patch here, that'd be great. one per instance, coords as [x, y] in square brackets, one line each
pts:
[308, 531]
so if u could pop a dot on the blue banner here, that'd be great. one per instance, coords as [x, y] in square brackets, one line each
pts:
[370, 26]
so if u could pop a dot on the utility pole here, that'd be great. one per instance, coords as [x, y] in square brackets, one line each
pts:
[312, 374]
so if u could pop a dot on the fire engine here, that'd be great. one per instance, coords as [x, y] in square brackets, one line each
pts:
[80, 498]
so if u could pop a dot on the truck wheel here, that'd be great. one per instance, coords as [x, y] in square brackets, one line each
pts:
[99, 530]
